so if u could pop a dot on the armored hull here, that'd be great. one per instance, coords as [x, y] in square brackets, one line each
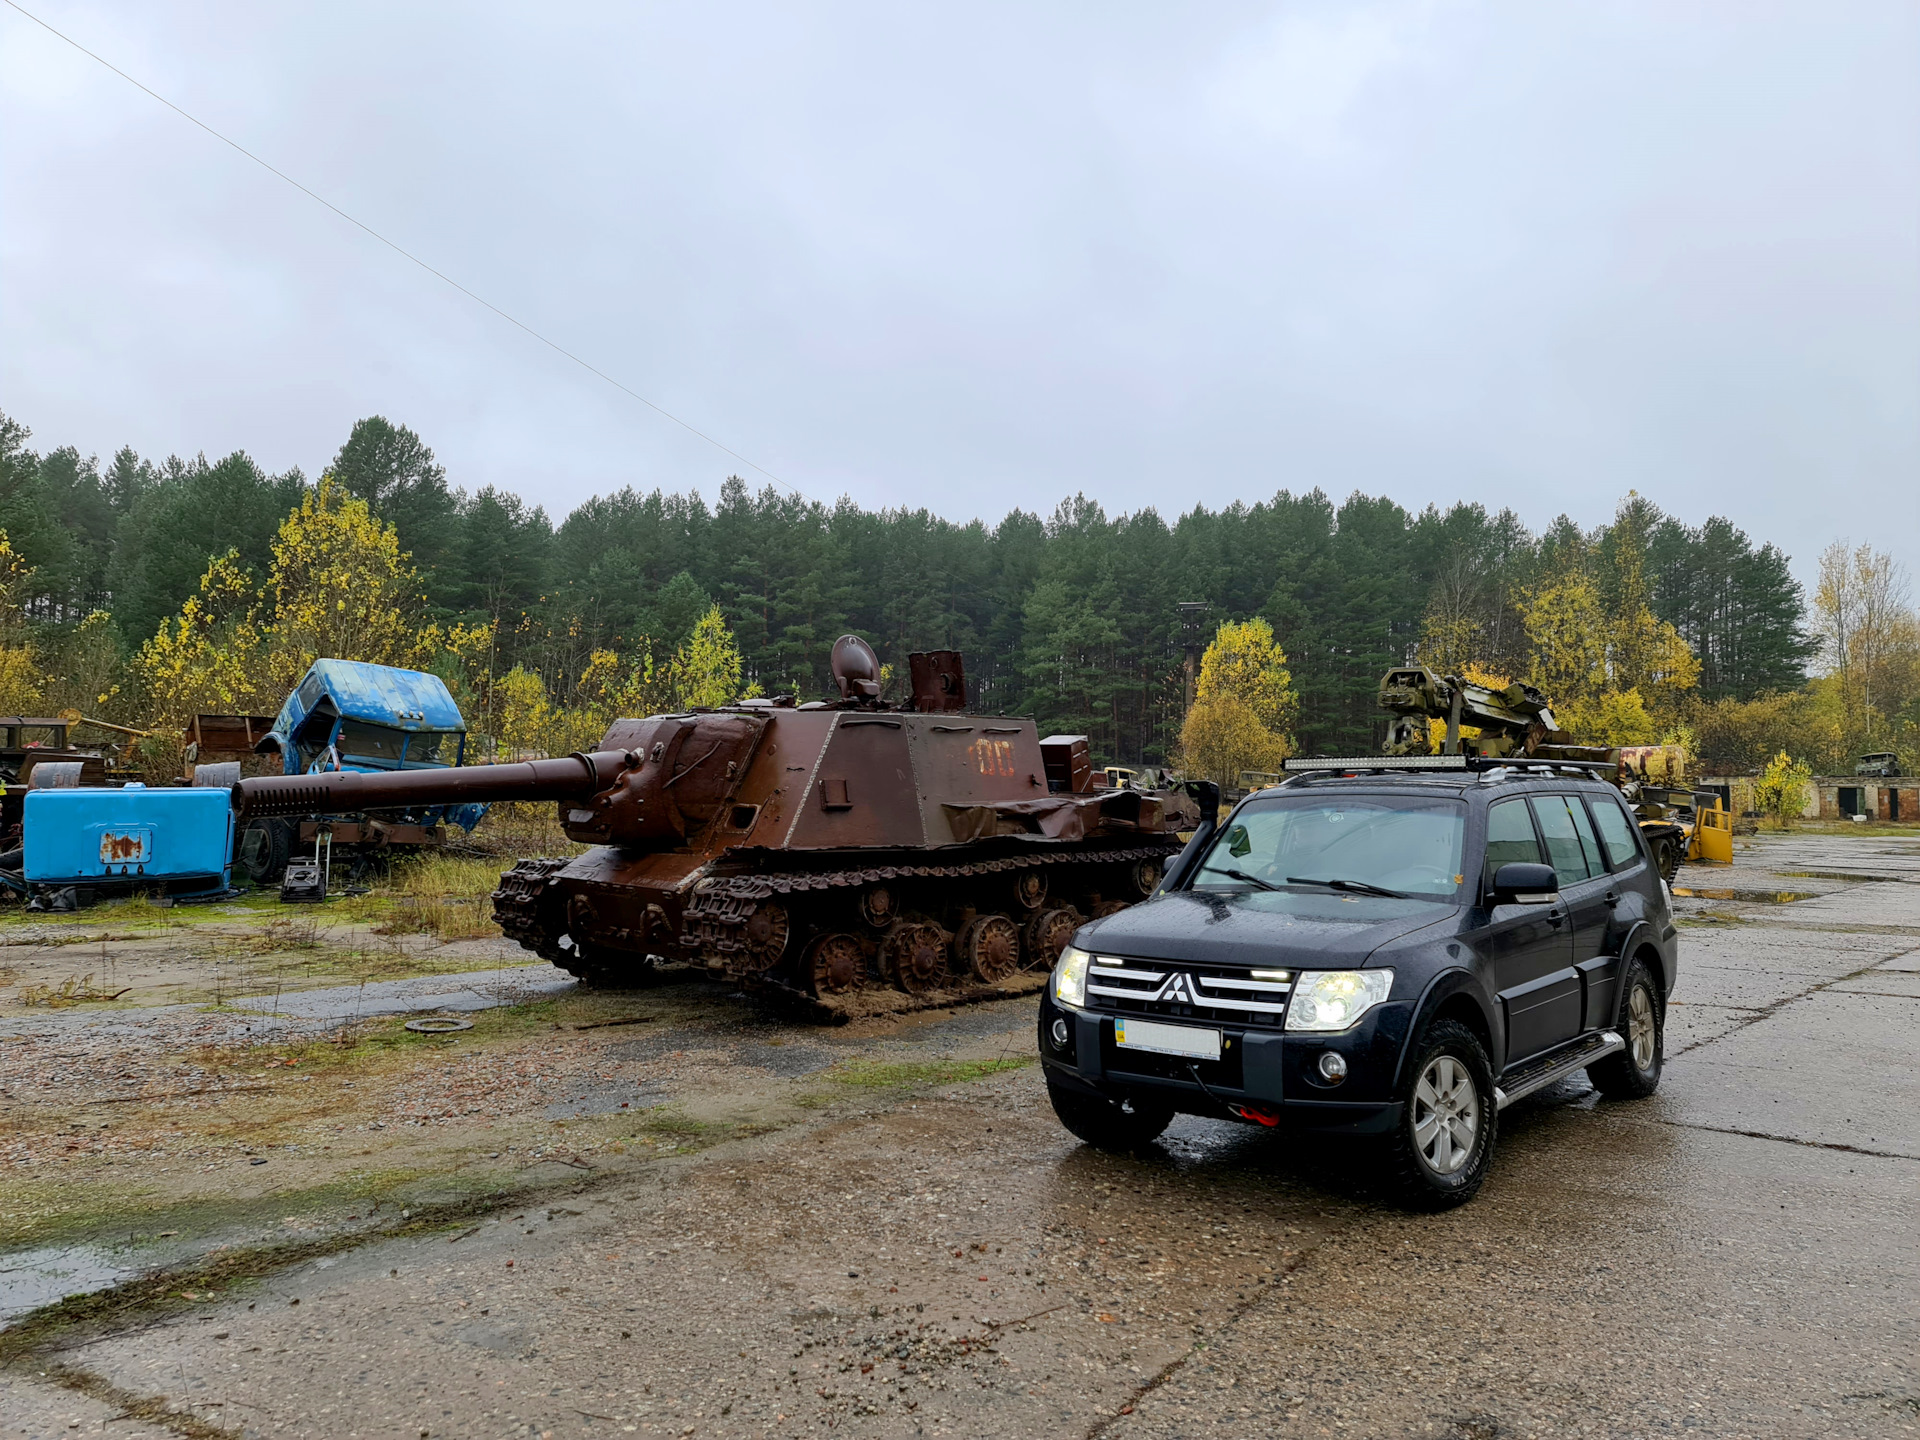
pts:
[860, 861]
[851, 856]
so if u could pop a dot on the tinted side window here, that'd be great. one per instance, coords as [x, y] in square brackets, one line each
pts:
[1510, 837]
[1564, 851]
[1589, 842]
[1616, 832]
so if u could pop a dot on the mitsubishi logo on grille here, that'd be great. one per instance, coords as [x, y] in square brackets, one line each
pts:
[1178, 991]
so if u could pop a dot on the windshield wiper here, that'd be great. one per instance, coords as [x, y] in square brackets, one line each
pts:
[1240, 875]
[1359, 887]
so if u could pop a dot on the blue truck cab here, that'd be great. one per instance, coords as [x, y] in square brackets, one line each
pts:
[351, 715]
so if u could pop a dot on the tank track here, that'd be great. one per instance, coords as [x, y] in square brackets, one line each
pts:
[715, 920]
[716, 917]
[516, 908]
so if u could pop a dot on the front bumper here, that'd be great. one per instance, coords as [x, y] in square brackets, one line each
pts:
[1267, 1071]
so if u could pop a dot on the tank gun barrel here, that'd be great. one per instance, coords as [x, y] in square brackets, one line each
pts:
[570, 777]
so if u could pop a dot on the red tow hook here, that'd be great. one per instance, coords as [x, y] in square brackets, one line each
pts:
[1260, 1114]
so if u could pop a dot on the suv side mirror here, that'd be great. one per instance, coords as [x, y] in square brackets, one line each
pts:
[1518, 883]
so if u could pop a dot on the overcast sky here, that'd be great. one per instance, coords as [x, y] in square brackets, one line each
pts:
[982, 257]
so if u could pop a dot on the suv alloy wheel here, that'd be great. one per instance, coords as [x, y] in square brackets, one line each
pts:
[1440, 1151]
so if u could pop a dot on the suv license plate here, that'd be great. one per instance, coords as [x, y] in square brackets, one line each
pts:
[1167, 1039]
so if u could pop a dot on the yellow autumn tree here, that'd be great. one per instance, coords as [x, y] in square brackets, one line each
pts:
[523, 715]
[209, 657]
[21, 687]
[1781, 791]
[1244, 705]
[339, 587]
[1615, 675]
[706, 669]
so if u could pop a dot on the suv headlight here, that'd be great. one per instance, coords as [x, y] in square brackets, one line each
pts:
[1335, 999]
[1070, 977]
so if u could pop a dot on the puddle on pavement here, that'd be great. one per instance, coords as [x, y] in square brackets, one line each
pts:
[1835, 875]
[1752, 897]
[32, 1278]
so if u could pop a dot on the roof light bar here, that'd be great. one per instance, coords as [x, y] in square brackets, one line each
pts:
[1377, 762]
[1358, 764]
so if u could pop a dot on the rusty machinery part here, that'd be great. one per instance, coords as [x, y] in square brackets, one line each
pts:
[1030, 889]
[1144, 875]
[522, 908]
[989, 947]
[768, 931]
[877, 906]
[716, 917]
[913, 957]
[1047, 934]
[836, 963]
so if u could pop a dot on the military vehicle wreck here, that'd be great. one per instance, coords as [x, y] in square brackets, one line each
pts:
[856, 856]
[1518, 722]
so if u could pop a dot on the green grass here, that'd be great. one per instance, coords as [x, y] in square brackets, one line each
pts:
[886, 1075]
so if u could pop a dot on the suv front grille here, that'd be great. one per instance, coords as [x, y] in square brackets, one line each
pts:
[1185, 992]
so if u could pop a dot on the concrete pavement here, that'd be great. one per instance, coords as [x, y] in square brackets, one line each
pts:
[1738, 1256]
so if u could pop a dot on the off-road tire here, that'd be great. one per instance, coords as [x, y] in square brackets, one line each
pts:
[263, 849]
[1409, 1168]
[1105, 1125]
[1634, 1073]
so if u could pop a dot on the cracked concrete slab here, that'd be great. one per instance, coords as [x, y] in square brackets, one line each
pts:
[1829, 1067]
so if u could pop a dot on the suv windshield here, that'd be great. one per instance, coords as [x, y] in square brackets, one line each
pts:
[1403, 846]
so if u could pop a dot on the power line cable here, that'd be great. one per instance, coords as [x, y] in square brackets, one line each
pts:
[409, 255]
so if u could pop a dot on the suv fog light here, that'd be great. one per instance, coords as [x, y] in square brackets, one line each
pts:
[1333, 1066]
[1059, 1034]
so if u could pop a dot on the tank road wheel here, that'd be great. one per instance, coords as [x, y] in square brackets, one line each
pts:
[1046, 935]
[1030, 889]
[989, 947]
[836, 963]
[915, 958]
[768, 930]
[1143, 875]
[877, 907]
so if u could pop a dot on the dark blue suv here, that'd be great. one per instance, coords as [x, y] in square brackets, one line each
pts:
[1395, 948]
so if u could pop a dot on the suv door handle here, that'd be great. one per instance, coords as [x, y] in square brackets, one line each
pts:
[1613, 897]
[1556, 917]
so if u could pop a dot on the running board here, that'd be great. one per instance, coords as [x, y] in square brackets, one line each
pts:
[1538, 1074]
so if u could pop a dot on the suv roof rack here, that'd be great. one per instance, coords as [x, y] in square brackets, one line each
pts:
[1457, 764]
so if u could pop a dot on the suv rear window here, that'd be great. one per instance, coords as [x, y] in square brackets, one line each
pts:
[1573, 858]
[1616, 832]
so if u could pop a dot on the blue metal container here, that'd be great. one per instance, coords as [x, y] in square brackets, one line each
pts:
[176, 840]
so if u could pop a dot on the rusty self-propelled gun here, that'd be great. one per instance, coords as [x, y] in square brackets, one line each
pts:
[861, 857]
